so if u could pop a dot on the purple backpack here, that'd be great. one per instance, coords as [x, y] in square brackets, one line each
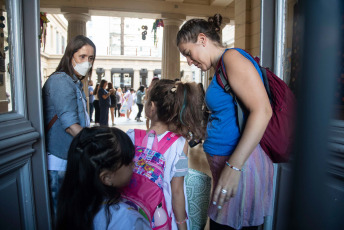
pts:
[145, 191]
[277, 138]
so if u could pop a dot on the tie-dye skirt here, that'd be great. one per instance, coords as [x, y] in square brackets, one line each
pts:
[253, 200]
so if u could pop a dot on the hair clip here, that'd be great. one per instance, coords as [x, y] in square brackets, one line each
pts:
[173, 89]
[190, 134]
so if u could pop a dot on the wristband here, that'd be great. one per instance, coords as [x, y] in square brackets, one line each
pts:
[183, 221]
[233, 167]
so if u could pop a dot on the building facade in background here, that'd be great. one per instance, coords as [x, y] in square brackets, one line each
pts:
[129, 50]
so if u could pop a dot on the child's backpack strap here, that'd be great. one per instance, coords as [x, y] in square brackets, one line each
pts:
[154, 146]
[139, 135]
[166, 142]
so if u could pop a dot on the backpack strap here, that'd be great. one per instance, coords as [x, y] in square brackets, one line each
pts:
[51, 123]
[222, 79]
[166, 142]
[155, 141]
[139, 135]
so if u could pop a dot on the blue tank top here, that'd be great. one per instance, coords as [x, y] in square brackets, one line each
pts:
[222, 130]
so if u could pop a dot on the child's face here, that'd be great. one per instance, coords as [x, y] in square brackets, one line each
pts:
[121, 177]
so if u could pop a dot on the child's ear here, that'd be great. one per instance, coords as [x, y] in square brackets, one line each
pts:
[153, 105]
[105, 177]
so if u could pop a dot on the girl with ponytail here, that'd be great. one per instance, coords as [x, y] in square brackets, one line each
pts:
[242, 172]
[174, 108]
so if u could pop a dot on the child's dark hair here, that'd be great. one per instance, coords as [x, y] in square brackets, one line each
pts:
[192, 28]
[82, 192]
[179, 105]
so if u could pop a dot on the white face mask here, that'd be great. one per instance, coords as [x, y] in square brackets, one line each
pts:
[82, 68]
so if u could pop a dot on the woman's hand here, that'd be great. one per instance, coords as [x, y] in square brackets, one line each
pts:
[226, 187]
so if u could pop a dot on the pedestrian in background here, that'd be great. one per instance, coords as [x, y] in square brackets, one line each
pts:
[113, 103]
[90, 98]
[128, 97]
[119, 98]
[96, 105]
[104, 102]
[139, 101]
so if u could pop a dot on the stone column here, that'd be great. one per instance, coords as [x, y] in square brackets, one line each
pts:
[107, 75]
[136, 83]
[170, 66]
[150, 76]
[225, 21]
[122, 35]
[76, 24]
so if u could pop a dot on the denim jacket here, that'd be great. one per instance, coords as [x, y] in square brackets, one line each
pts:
[62, 95]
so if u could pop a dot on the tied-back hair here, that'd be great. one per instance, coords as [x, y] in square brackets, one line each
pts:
[82, 193]
[179, 105]
[73, 46]
[101, 86]
[102, 83]
[109, 86]
[95, 91]
[193, 27]
[141, 88]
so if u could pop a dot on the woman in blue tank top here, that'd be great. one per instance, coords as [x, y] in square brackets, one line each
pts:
[242, 172]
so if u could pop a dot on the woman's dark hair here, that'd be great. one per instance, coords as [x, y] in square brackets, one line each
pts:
[141, 88]
[179, 105]
[109, 86]
[205, 109]
[95, 91]
[193, 27]
[102, 83]
[82, 193]
[73, 46]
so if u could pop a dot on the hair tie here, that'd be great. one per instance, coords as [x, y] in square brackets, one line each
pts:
[183, 107]
[174, 89]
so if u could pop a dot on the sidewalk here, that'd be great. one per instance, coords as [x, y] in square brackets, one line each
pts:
[124, 124]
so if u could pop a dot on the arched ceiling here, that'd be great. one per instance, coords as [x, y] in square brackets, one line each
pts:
[141, 8]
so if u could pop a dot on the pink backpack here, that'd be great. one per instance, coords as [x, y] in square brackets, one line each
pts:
[145, 191]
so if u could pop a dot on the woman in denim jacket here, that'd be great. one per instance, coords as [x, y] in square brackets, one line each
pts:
[64, 106]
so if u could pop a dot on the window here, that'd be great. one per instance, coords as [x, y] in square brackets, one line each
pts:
[57, 42]
[116, 80]
[127, 80]
[51, 37]
[63, 44]
[6, 79]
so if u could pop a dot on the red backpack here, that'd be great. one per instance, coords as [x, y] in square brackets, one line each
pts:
[277, 138]
[145, 191]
